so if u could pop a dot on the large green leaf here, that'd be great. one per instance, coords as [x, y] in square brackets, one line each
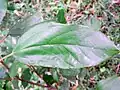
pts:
[51, 44]
[3, 8]
[112, 83]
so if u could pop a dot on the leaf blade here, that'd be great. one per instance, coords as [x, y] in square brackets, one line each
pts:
[51, 44]
[112, 83]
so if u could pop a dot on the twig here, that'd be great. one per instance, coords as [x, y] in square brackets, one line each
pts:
[20, 79]
[17, 78]
[1, 61]
[4, 65]
[3, 39]
[7, 56]
[36, 71]
[30, 82]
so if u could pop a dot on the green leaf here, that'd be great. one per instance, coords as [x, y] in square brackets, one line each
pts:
[93, 23]
[15, 84]
[14, 68]
[61, 16]
[26, 75]
[2, 72]
[11, 6]
[69, 72]
[48, 78]
[64, 85]
[112, 83]
[1, 85]
[51, 44]
[103, 69]
[3, 8]
[8, 86]
[22, 26]
[55, 76]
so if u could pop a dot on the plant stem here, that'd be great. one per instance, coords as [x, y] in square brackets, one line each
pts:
[23, 80]
[1, 60]
[3, 39]
[16, 77]
[7, 56]
[36, 71]
[4, 65]
[37, 84]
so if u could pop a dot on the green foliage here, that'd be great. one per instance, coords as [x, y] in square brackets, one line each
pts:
[112, 83]
[14, 68]
[61, 16]
[93, 23]
[8, 86]
[38, 53]
[55, 76]
[22, 26]
[26, 75]
[53, 48]
[48, 78]
[3, 8]
[2, 72]
[11, 6]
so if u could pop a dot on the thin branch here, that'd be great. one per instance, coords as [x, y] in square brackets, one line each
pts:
[9, 79]
[30, 82]
[36, 71]
[1, 61]
[9, 55]
[4, 65]
[17, 78]
[3, 39]
[20, 79]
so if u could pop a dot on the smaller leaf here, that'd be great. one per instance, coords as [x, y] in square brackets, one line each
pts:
[3, 8]
[22, 26]
[15, 84]
[61, 16]
[64, 85]
[102, 69]
[55, 76]
[48, 78]
[93, 23]
[112, 83]
[2, 72]
[8, 86]
[69, 72]
[14, 68]
[11, 6]
[26, 75]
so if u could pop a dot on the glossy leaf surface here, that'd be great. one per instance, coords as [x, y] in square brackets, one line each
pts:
[51, 44]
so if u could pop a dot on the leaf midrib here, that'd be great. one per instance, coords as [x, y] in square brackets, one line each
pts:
[59, 45]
